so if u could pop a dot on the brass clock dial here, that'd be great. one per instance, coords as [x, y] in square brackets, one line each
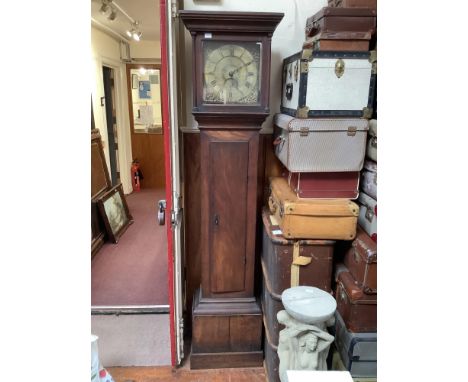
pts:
[231, 72]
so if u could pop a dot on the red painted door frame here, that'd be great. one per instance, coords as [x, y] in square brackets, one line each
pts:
[166, 122]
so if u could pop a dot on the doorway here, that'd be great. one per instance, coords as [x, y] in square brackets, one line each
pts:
[129, 291]
[110, 111]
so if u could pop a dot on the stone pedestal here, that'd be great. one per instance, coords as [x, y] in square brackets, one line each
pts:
[305, 342]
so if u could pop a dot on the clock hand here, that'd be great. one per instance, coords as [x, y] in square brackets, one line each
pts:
[231, 73]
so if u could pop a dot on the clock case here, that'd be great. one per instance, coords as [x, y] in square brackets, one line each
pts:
[226, 315]
[314, 81]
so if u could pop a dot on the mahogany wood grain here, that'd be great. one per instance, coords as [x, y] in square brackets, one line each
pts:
[235, 359]
[268, 166]
[228, 211]
[192, 215]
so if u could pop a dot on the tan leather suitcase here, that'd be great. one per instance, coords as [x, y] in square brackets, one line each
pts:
[334, 219]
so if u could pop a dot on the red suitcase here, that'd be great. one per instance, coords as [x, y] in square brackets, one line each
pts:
[361, 261]
[358, 310]
[324, 185]
[329, 21]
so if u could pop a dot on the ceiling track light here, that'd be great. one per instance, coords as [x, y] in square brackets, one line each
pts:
[105, 6]
[134, 32]
[113, 14]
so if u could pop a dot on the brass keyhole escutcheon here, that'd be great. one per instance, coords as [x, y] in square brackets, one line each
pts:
[339, 67]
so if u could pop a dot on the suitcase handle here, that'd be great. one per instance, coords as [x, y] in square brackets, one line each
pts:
[272, 205]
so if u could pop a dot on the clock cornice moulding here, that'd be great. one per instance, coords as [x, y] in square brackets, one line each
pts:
[231, 22]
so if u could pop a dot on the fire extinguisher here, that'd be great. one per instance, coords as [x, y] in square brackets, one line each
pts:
[137, 175]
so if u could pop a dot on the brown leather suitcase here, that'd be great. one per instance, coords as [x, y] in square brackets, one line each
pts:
[271, 357]
[353, 3]
[287, 263]
[329, 21]
[295, 262]
[324, 185]
[334, 219]
[361, 261]
[271, 305]
[358, 310]
[342, 43]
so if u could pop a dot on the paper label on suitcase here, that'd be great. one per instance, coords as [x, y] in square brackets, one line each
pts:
[322, 144]
[329, 83]
[368, 215]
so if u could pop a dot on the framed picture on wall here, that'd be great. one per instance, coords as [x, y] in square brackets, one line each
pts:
[134, 81]
[115, 213]
[144, 90]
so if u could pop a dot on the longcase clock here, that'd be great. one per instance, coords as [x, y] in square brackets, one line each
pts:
[231, 78]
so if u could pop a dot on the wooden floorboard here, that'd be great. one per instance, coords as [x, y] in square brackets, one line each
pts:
[184, 374]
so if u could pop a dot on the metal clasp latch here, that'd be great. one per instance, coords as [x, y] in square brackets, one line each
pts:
[352, 131]
[339, 67]
[304, 131]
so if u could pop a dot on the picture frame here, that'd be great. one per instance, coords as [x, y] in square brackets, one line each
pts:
[115, 213]
[134, 81]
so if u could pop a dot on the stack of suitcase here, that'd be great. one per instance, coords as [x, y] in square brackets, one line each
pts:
[321, 137]
[356, 315]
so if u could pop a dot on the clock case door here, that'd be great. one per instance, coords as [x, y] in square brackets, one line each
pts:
[198, 74]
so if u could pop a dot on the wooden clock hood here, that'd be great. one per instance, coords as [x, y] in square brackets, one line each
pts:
[235, 22]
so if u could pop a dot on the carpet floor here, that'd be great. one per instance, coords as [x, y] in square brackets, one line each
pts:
[134, 271]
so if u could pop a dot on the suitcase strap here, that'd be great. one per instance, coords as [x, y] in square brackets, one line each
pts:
[297, 262]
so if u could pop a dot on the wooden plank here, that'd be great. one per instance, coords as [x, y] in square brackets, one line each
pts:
[221, 360]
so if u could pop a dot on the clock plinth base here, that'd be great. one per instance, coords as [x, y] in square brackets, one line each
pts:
[226, 334]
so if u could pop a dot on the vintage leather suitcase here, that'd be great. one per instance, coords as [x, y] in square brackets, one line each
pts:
[289, 263]
[286, 263]
[361, 261]
[372, 140]
[333, 219]
[324, 185]
[319, 83]
[358, 310]
[339, 41]
[358, 351]
[271, 305]
[320, 145]
[369, 178]
[350, 19]
[368, 215]
[353, 3]
[271, 357]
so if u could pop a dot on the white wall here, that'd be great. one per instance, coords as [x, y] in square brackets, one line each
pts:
[146, 49]
[287, 40]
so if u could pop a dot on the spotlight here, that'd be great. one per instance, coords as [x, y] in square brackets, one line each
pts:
[113, 14]
[129, 33]
[105, 6]
[136, 36]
